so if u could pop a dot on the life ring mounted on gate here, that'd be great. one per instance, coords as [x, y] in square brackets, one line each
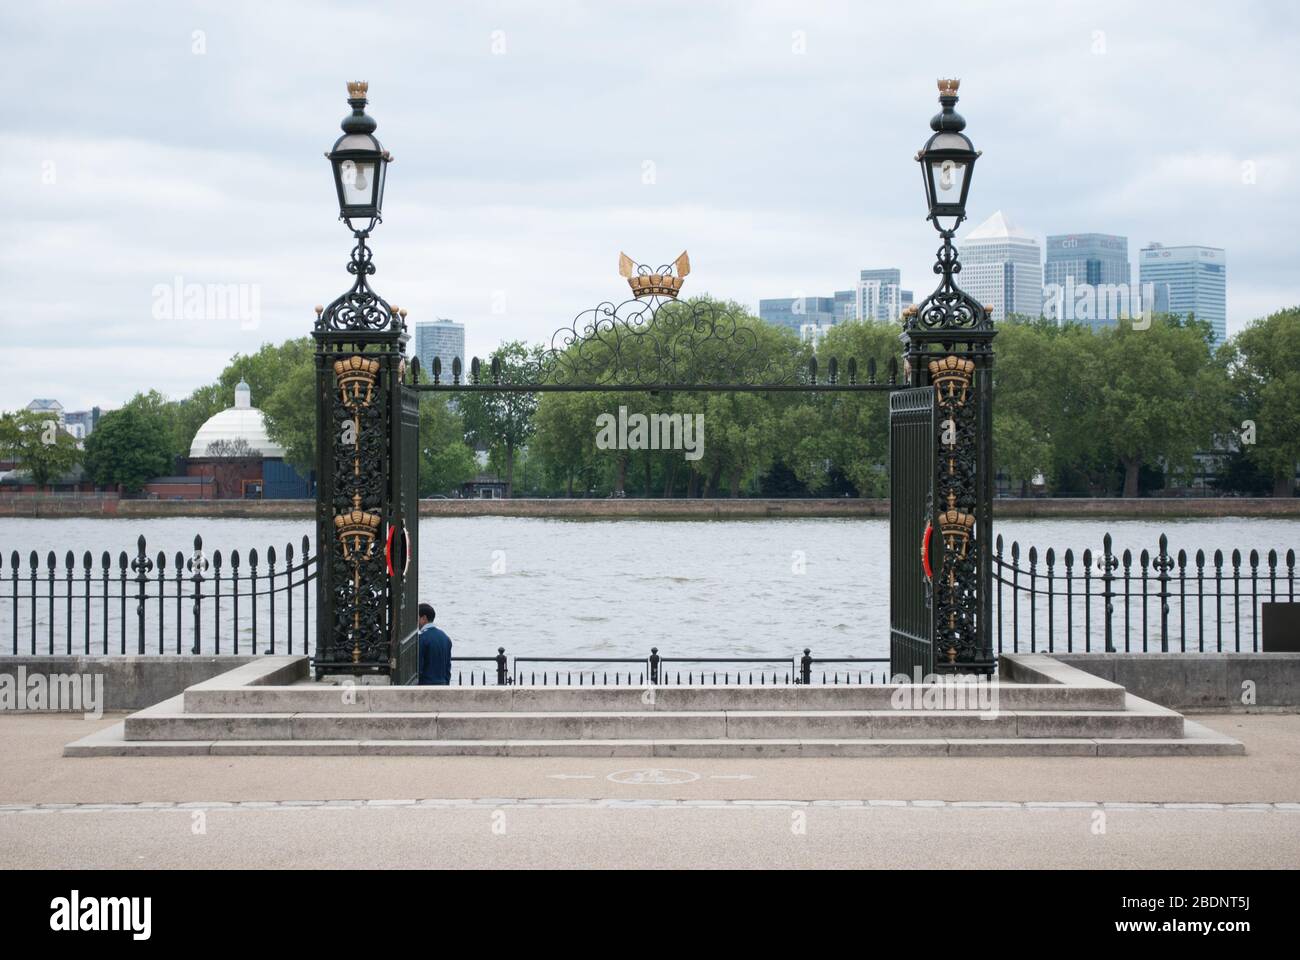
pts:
[925, 551]
[406, 551]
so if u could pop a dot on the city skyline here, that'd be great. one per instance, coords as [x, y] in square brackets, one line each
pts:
[510, 168]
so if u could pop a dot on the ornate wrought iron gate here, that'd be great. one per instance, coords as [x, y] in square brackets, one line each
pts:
[366, 444]
[911, 505]
[368, 422]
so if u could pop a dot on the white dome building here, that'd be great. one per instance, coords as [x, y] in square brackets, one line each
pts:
[243, 421]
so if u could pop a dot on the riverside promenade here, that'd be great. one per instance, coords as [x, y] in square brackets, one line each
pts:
[953, 812]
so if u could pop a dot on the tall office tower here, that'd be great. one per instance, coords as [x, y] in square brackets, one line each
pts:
[439, 338]
[880, 296]
[794, 313]
[846, 305]
[1091, 266]
[1002, 267]
[1193, 279]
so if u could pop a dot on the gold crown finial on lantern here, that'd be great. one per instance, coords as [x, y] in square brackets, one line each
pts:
[948, 88]
[357, 89]
[666, 281]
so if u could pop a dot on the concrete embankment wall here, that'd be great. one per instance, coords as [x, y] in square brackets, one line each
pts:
[719, 509]
[132, 682]
[1207, 682]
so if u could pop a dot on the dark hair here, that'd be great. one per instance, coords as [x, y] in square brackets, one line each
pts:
[426, 611]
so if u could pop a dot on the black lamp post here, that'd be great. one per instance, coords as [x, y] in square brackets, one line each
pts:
[948, 346]
[360, 165]
[359, 162]
[947, 165]
[366, 440]
[947, 162]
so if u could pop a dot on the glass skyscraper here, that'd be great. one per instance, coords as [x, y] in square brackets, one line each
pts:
[1002, 268]
[876, 297]
[1092, 258]
[796, 313]
[1092, 267]
[439, 338]
[1194, 280]
[881, 296]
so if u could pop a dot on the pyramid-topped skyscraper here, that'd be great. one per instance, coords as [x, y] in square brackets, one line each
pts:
[1002, 267]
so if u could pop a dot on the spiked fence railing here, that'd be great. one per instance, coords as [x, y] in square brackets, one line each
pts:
[1126, 603]
[234, 603]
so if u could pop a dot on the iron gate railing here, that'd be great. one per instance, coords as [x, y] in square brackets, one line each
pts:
[911, 484]
[261, 602]
[656, 670]
[137, 604]
[1151, 602]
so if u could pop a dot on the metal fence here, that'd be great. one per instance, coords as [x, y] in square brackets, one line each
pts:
[135, 604]
[657, 670]
[1149, 602]
[262, 603]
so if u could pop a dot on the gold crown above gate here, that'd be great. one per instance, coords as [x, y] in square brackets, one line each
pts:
[357, 528]
[357, 89]
[665, 283]
[952, 372]
[354, 374]
[956, 525]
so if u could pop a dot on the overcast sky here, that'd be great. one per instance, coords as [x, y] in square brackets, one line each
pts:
[149, 141]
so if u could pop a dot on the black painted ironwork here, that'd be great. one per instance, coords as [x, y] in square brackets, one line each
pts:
[948, 345]
[1163, 602]
[911, 483]
[145, 603]
[654, 342]
[366, 420]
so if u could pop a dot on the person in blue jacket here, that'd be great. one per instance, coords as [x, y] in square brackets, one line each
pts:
[435, 650]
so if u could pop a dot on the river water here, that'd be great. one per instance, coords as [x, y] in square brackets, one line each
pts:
[615, 588]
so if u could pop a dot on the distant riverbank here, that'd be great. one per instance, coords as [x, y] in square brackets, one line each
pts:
[699, 509]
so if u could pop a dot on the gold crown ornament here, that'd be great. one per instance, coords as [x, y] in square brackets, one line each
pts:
[357, 529]
[955, 527]
[356, 375]
[950, 374]
[666, 281]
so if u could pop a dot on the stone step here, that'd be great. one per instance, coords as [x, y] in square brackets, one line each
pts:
[1196, 740]
[1143, 720]
[327, 698]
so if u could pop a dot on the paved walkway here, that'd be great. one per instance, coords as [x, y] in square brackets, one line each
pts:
[416, 811]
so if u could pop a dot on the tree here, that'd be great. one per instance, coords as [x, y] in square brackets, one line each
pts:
[1160, 399]
[445, 460]
[564, 437]
[1036, 379]
[1263, 362]
[129, 447]
[503, 421]
[39, 445]
[290, 410]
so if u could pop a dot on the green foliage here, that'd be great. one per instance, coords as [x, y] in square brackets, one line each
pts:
[290, 410]
[1160, 398]
[445, 460]
[1091, 411]
[503, 422]
[130, 446]
[1263, 363]
[39, 446]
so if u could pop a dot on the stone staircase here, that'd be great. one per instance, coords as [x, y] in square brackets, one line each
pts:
[1038, 707]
